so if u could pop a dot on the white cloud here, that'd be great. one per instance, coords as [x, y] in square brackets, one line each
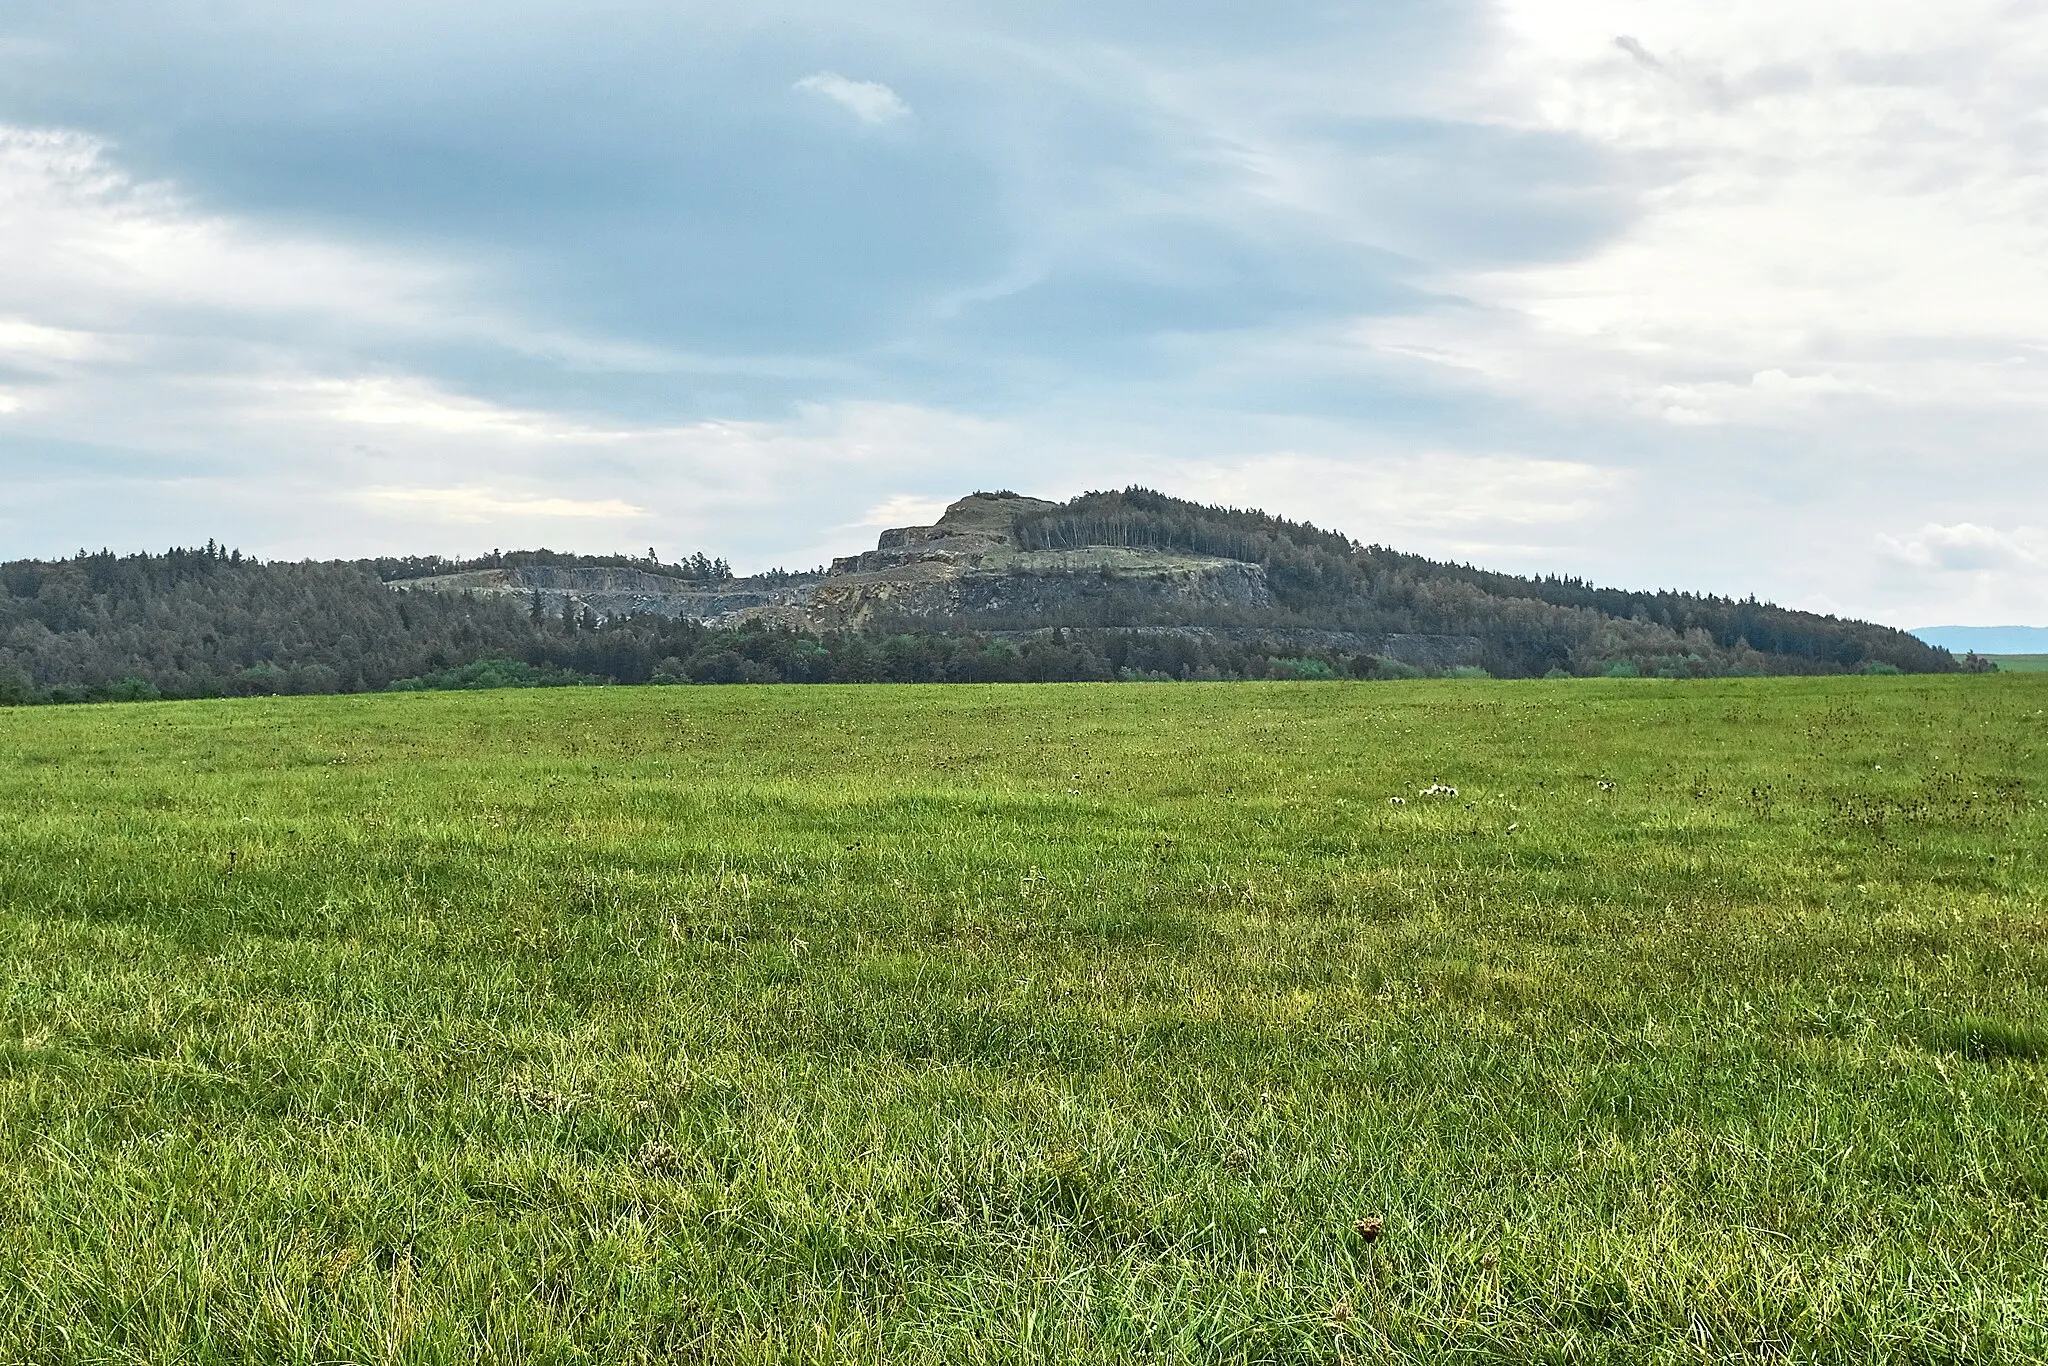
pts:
[28, 344]
[1834, 189]
[1824, 311]
[1778, 382]
[868, 101]
[758, 492]
[95, 256]
[1966, 548]
[1408, 500]
[477, 505]
[1964, 572]
[1823, 317]
[100, 269]
[903, 509]
[415, 405]
[1844, 187]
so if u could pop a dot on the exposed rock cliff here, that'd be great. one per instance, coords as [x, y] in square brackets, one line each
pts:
[966, 567]
[622, 592]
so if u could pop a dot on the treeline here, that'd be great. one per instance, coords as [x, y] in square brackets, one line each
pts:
[697, 568]
[758, 653]
[210, 622]
[1530, 626]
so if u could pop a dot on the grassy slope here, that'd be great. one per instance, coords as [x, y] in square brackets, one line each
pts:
[1060, 1023]
[2020, 664]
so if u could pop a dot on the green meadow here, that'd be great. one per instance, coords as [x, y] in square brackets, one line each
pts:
[1704, 1021]
[2020, 664]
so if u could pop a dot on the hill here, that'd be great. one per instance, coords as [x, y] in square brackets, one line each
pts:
[1130, 584]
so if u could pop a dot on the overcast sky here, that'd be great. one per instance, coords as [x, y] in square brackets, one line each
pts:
[1741, 297]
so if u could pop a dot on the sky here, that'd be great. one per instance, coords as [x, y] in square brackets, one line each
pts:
[1740, 298]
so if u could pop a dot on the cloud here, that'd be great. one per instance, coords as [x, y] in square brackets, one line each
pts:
[1703, 308]
[1636, 50]
[757, 492]
[1779, 382]
[1964, 571]
[1442, 502]
[476, 505]
[28, 344]
[99, 259]
[1847, 192]
[1966, 548]
[868, 101]
[417, 406]
[903, 509]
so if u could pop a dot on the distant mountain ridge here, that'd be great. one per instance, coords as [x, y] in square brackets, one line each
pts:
[1987, 640]
[1126, 584]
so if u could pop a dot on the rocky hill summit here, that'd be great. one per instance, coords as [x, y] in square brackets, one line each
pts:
[1137, 565]
[967, 565]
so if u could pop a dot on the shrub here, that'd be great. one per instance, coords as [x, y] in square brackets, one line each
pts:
[726, 666]
[132, 690]
[1306, 668]
[260, 680]
[493, 673]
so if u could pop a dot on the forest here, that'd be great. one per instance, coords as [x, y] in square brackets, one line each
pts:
[1530, 625]
[211, 621]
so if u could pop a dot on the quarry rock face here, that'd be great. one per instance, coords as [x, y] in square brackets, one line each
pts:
[966, 570]
[966, 567]
[608, 592]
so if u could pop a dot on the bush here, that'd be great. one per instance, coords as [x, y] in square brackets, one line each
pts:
[493, 673]
[309, 680]
[132, 690]
[260, 680]
[726, 666]
[1307, 668]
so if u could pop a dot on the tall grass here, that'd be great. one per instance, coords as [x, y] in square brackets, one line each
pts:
[1707, 1021]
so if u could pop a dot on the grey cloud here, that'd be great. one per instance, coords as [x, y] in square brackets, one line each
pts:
[1127, 240]
[1635, 49]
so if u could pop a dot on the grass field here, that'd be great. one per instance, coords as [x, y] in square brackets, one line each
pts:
[1705, 1022]
[2020, 664]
